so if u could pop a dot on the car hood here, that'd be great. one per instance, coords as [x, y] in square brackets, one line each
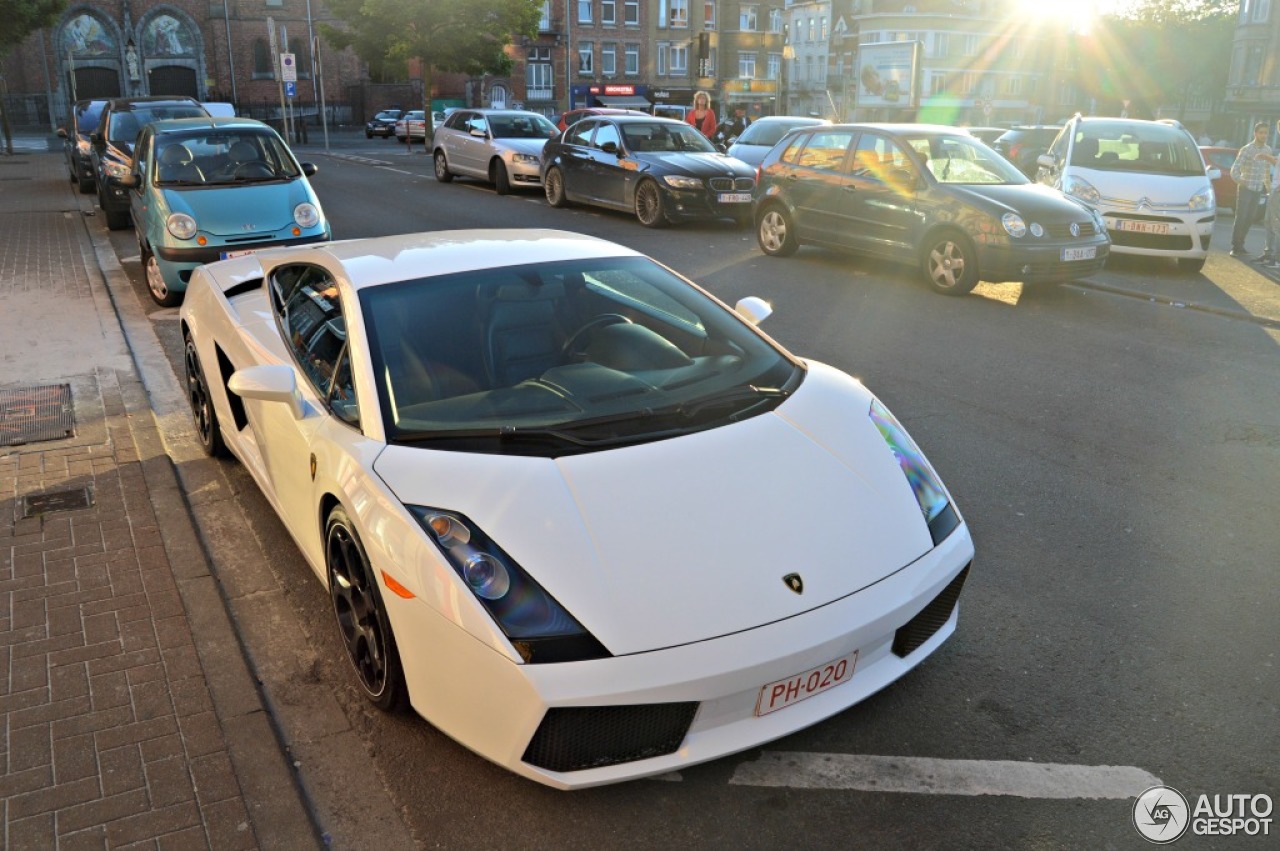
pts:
[241, 209]
[697, 165]
[1032, 201]
[687, 539]
[1161, 190]
[520, 146]
[749, 154]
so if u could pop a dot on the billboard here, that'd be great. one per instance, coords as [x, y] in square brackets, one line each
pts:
[887, 74]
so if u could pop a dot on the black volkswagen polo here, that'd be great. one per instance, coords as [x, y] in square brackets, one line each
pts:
[931, 196]
[660, 169]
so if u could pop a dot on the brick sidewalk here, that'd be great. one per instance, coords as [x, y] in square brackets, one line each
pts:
[110, 736]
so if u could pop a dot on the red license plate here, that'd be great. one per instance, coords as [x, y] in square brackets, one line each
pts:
[783, 693]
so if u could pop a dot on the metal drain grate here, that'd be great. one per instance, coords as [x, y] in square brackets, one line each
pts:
[45, 503]
[29, 414]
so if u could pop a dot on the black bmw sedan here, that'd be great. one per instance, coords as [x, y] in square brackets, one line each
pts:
[934, 197]
[662, 170]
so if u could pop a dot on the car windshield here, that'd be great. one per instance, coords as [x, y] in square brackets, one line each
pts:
[88, 116]
[224, 157]
[767, 133]
[554, 357]
[387, 116]
[126, 123]
[1149, 147]
[660, 137]
[963, 159]
[531, 126]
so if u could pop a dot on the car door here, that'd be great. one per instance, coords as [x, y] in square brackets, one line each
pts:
[472, 144]
[575, 158]
[816, 183]
[880, 200]
[610, 168]
[140, 193]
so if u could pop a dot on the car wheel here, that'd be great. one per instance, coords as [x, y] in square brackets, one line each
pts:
[362, 622]
[776, 233]
[649, 207]
[368, 134]
[1190, 266]
[85, 185]
[117, 219]
[950, 263]
[202, 413]
[160, 292]
[442, 168]
[499, 177]
[553, 186]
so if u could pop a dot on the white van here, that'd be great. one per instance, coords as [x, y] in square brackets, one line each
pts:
[1146, 178]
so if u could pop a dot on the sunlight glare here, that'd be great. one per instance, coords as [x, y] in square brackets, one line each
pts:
[1070, 16]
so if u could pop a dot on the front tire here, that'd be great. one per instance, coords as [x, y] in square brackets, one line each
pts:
[950, 264]
[85, 185]
[553, 186]
[160, 292]
[499, 177]
[362, 621]
[203, 415]
[442, 168]
[776, 232]
[116, 219]
[650, 209]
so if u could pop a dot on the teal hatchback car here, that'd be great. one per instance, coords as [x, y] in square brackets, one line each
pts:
[206, 189]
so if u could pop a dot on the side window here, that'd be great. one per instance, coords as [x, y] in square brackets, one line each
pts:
[457, 121]
[142, 158]
[606, 133]
[309, 310]
[1058, 150]
[876, 156]
[826, 150]
[477, 122]
[791, 154]
[580, 133]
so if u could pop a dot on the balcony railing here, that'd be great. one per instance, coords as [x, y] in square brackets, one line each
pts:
[548, 93]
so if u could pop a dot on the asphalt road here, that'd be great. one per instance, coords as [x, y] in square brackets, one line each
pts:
[1117, 462]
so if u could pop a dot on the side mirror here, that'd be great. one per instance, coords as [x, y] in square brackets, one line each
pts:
[1046, 161]
[97, 140]
[309, 169]
[753, 309]
[609, 147]
[476, 131]
[269, 383]
[1213, 172]
[129, 181]
[62, 132]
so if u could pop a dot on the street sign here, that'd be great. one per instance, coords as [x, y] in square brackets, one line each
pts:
[288, 68]
[290, 89]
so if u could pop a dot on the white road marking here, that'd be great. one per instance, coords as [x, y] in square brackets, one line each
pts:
[397, 170]
[942, 776]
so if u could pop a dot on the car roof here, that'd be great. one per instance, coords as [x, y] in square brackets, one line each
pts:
[903, 128]
[178, 125]
[402, 257]
[644, 118]
[118, 104]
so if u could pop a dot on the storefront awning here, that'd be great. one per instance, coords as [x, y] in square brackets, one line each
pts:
[623, 101]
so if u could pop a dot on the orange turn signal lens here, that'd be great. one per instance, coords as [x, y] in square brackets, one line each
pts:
[200, 240]
[395, 587]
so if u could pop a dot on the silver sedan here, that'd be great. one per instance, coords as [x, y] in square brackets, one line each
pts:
[502, 146]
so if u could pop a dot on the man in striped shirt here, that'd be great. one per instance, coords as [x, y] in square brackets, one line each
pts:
[1251, 171]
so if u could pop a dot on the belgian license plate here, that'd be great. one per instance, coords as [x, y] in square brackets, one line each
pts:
[227, 255]
[784, 693]
[1079, 253]
[1158, 228]
[734, 197]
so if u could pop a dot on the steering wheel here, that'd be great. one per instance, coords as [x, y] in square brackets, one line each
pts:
[570, 347]
[255, 168]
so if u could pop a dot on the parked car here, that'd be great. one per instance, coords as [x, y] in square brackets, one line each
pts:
[83, 121]
[763, 133]
[412, 125]
[1146, 179]
[1022, 146]
[502, 146]
[493, 423]
[573, 116]
[205, 189]
[661, 169]
[987, 134]
[383, 124]
[1224, 188]
[111, 145]
[930, 196]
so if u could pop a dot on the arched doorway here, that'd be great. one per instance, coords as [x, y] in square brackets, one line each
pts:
[95, 83]
[172, 80]
[498, 96]
[171, 48]
[90, 52]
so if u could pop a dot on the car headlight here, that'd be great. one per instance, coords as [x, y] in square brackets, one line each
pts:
[539, 628]
[679, 182]
[306, 215]
[1014, 225]
[932, 499]
[83, 146]
[524, 158]
[181, 225]
[1203, 200]
[1078, 187]
[115, 169]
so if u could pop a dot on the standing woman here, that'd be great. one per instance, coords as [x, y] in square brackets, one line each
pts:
[702, 115]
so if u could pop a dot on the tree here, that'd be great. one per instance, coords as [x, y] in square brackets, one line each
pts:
[21, 18]
[460, 36]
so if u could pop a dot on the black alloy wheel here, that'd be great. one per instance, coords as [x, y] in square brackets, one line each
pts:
[203, 415]
[362, 621]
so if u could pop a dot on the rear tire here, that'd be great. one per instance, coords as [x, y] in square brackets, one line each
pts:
[776, 233]
[498, 175]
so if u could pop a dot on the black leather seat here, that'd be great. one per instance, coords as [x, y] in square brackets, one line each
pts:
[522, 332]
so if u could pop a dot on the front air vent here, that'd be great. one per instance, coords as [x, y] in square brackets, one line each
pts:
[573, 738]
[931, 618]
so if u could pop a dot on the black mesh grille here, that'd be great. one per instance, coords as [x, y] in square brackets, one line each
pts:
[721, 184]
[921, 628]
[1061, 230]
[576, 737]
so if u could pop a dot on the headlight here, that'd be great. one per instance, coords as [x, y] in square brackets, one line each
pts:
[1203, 200]
[181, 225]
[932, 499]
[1078, 187]
[1014, 225]
[679, 182]
[306, 215]
[524, 158]
[538, 627]
[115, 169]
[83, 146]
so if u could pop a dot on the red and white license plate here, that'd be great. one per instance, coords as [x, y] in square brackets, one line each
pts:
[1158, 228]
[783, 693]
